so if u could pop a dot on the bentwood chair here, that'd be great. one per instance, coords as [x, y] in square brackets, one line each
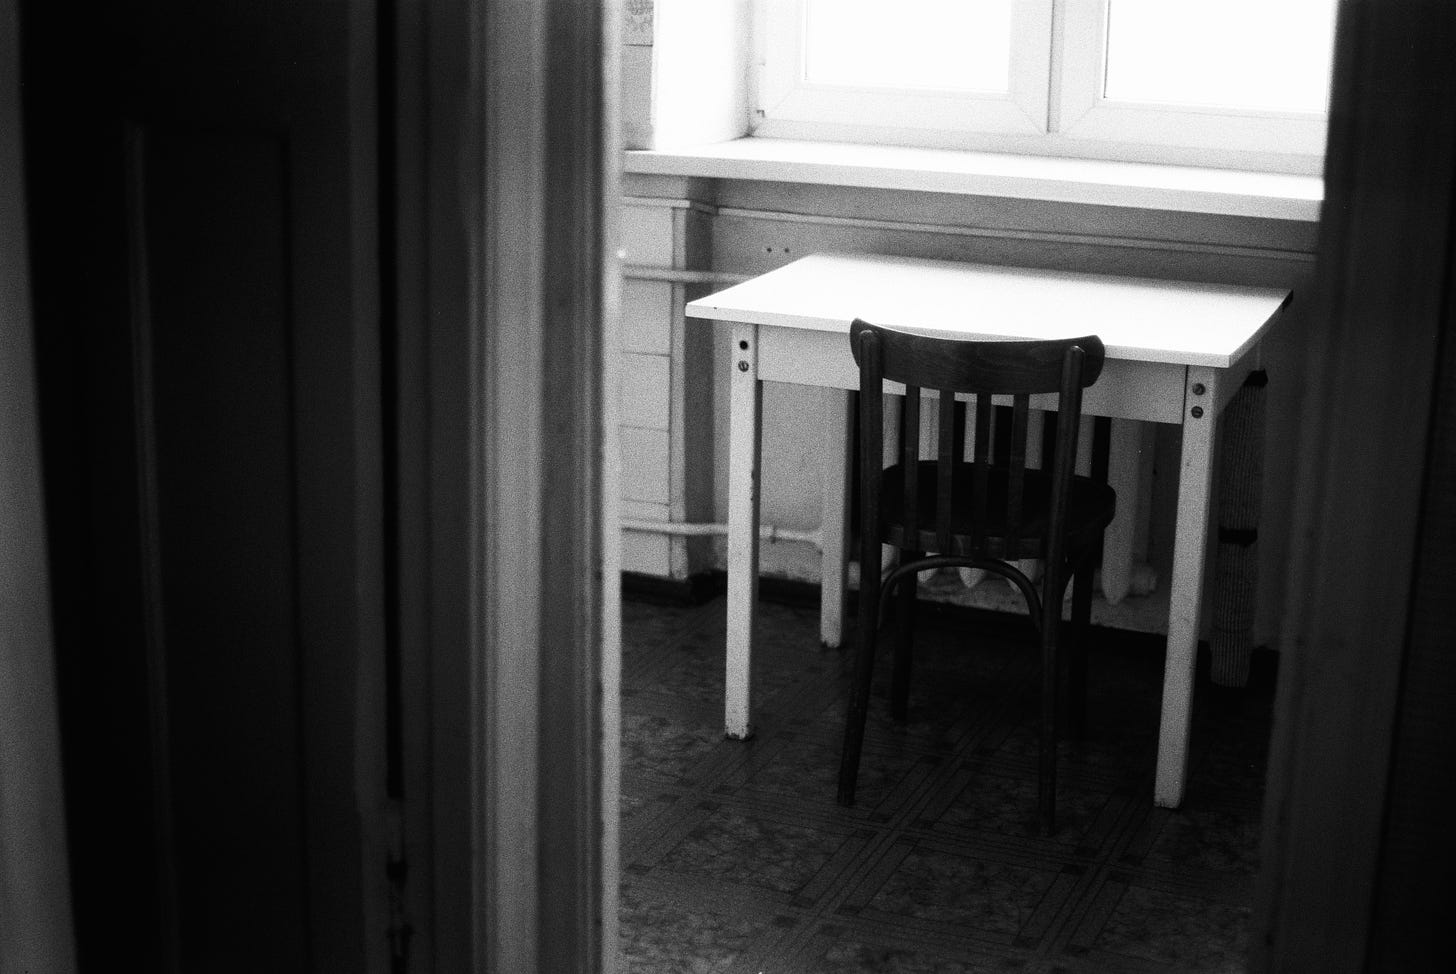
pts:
[981, 514]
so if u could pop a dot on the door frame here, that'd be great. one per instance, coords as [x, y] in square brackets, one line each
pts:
[509, 615]
[1360, 620]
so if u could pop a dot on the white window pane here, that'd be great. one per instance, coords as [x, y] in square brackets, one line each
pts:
[1252, 54]
[958, 45]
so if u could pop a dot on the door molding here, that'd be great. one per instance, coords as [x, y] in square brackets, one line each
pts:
[504, 370]
[1384, 277]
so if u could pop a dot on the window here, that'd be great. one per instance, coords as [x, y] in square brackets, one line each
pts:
[938, 65]
[1232, 82]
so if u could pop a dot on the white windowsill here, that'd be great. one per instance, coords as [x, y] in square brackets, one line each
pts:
[1184, 189]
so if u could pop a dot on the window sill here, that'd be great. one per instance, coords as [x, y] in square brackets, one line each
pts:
[1184, 189]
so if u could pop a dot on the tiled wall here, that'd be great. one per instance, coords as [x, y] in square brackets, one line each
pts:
[662, 395]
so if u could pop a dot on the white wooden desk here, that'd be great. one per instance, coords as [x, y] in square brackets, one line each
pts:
[1176, 353]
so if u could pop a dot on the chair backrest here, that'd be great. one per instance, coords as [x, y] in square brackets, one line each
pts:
[981, 369]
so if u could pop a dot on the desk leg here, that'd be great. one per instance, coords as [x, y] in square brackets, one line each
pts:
[834, 519]
[1123, 468]
[745, 406]
[1185, 596]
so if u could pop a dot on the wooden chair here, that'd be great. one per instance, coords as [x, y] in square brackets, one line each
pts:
[976, 514]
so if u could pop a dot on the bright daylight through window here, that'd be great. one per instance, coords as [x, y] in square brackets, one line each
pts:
[1237, 54]
[852, 42]
[1225, 82]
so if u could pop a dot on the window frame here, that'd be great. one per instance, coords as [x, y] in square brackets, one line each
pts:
[1063, 114]
[1086, 114]
[784, 97]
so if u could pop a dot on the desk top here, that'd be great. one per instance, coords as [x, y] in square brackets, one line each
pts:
[1138, 319]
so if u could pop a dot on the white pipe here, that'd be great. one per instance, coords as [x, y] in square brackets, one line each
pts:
[678, 275]
[767, 532]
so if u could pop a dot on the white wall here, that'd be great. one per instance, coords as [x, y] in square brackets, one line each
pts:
[683, 72]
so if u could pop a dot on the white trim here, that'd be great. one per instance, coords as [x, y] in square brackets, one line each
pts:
[536, 520]
[668, 203]
[785, 98]
[610, 285]
[1086, 181]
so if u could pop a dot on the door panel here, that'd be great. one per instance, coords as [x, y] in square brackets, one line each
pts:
[204, 209]
[217, 276]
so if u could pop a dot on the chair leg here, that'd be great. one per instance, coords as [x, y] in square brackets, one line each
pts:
[1046, 765]
[864, 666]
[1076, 650]
[1051, 664]
[905, 645]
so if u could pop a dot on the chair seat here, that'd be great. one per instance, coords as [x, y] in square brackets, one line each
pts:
[1092, 507]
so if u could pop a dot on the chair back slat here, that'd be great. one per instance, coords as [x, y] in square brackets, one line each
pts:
[1016, 463]
[944, 470]
[910, 458]
[981, 470]
[985, 416]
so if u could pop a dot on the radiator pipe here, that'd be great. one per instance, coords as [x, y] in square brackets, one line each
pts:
[766, 532]
[677, 275]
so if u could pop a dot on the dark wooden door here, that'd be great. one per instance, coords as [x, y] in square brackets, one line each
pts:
[203, 206]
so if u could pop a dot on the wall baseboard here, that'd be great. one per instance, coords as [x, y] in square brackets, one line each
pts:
[658, 590]
[703, 586]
